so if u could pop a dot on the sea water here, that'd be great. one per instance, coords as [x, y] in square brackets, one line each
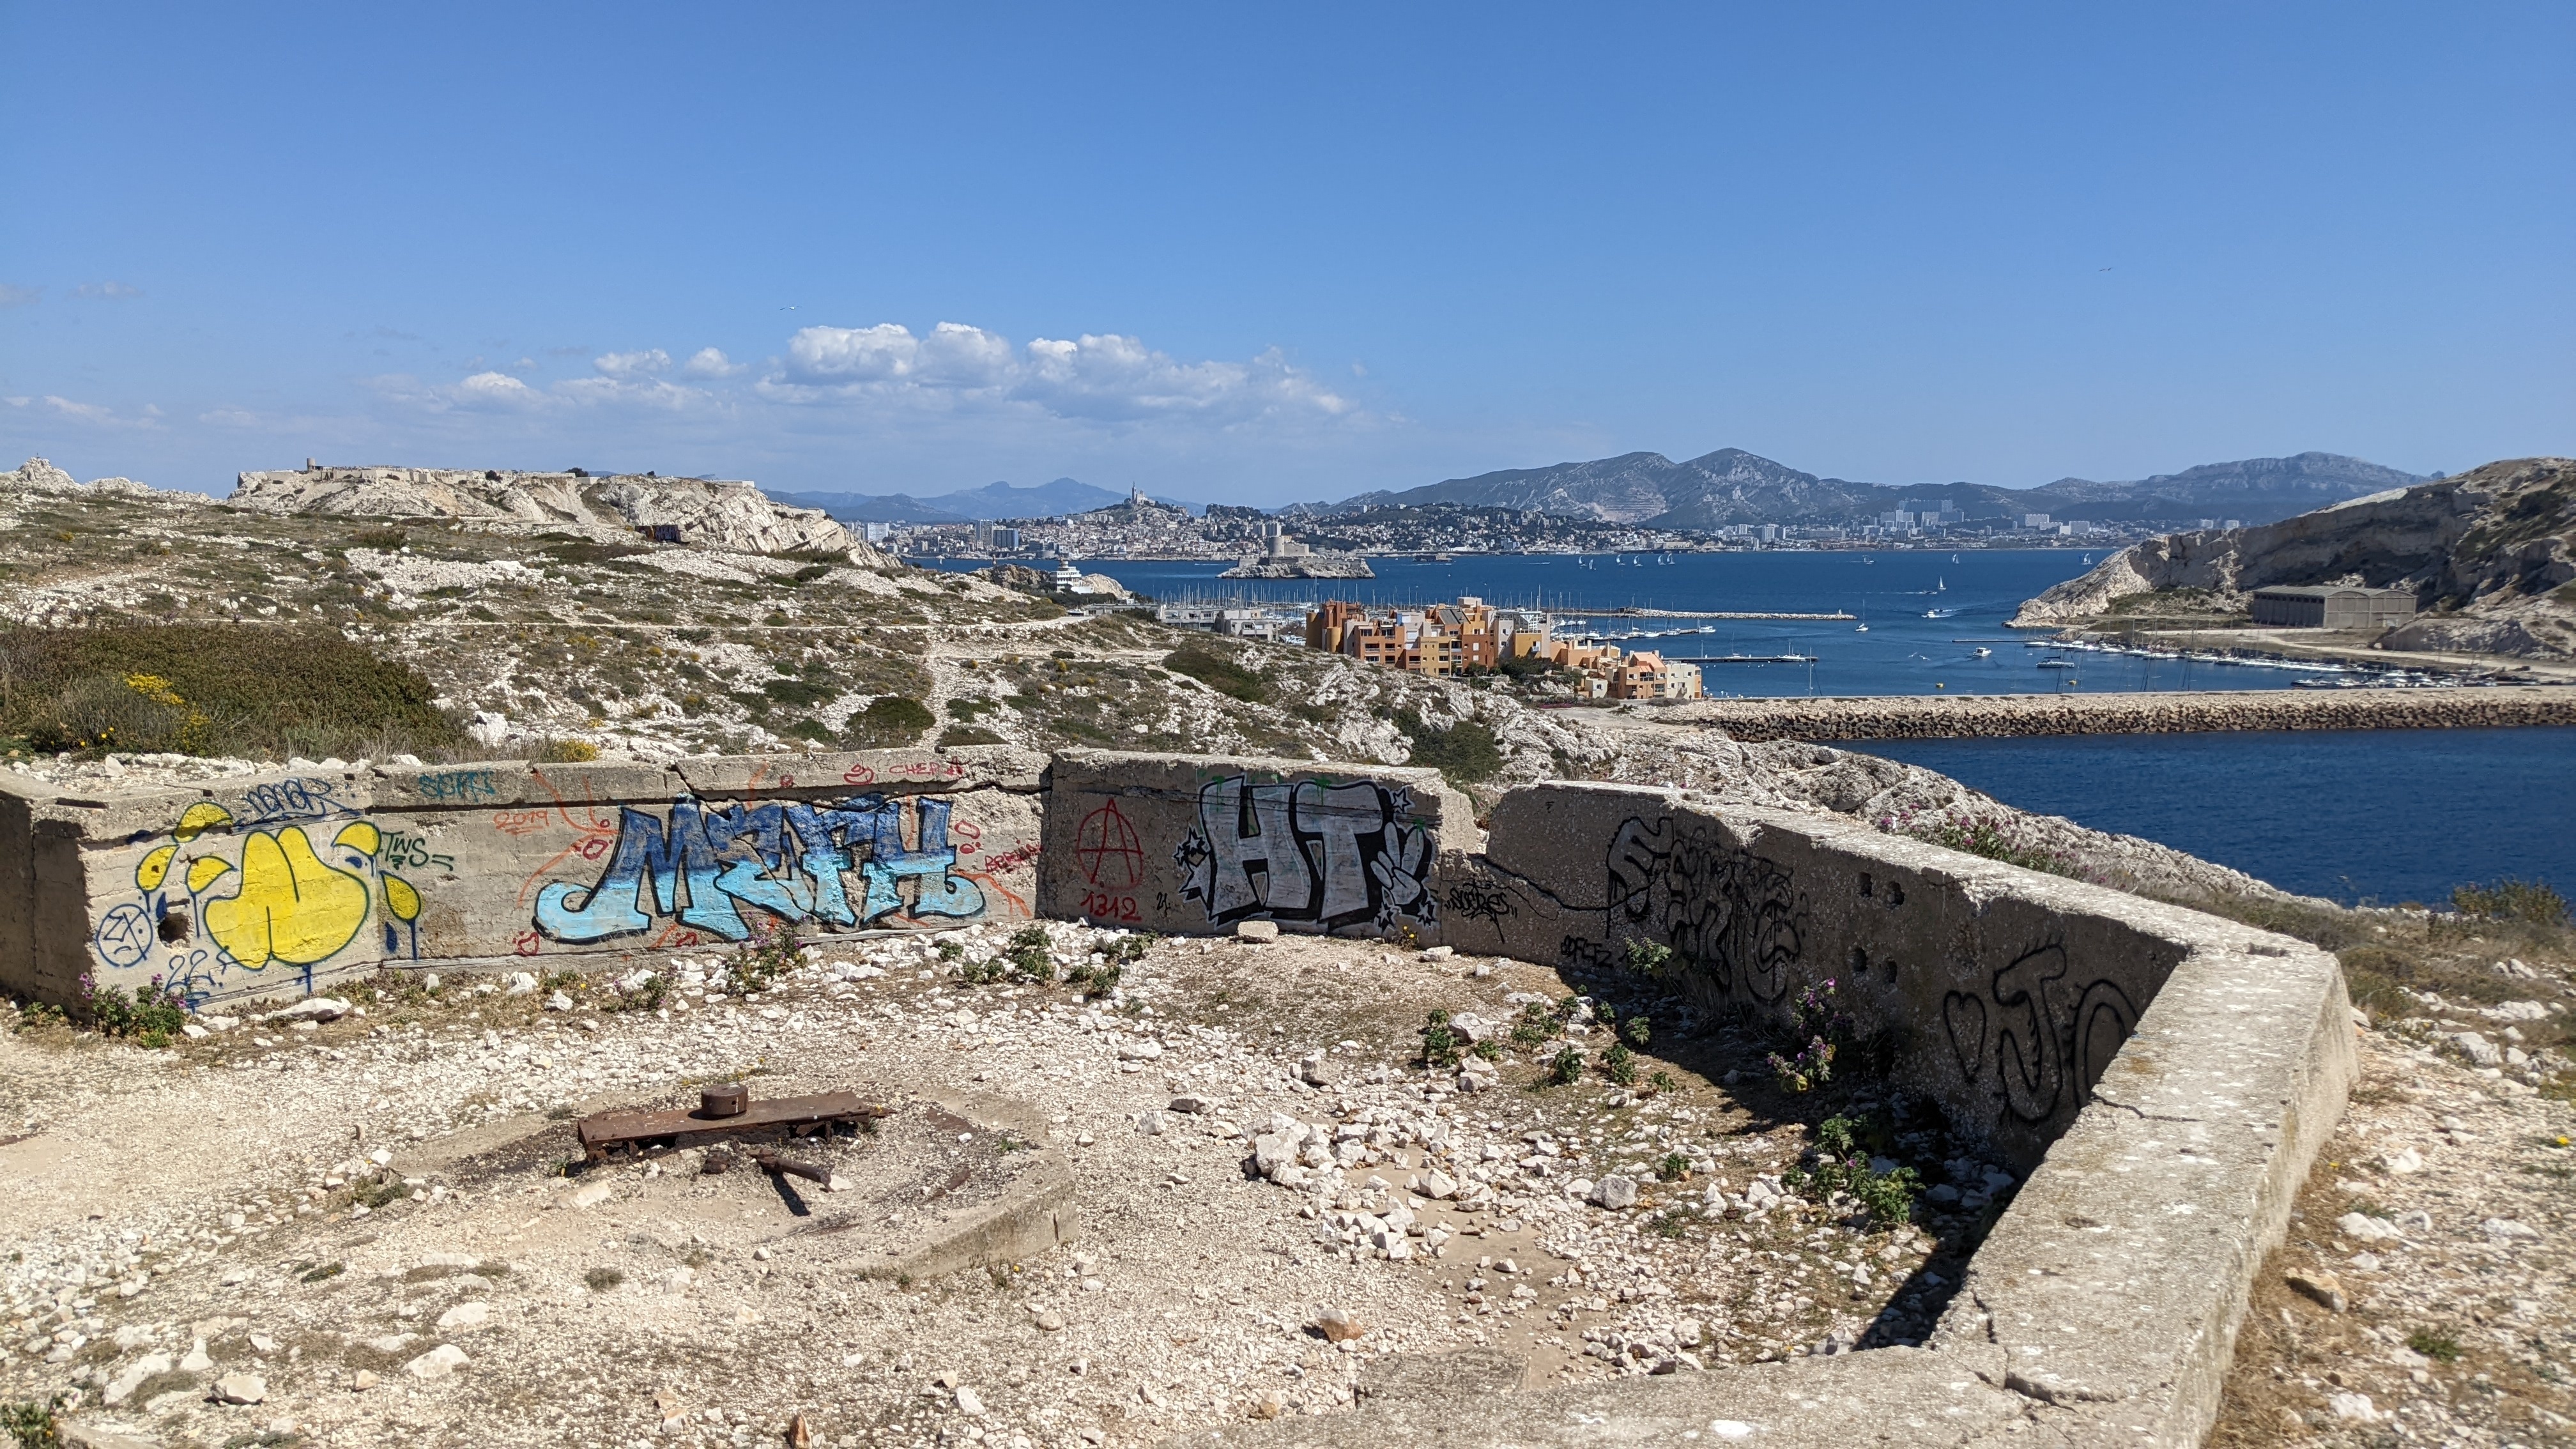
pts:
[1905, 649]
[2386, 816]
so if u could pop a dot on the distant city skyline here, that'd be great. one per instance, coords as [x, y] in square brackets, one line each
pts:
[1267, 258]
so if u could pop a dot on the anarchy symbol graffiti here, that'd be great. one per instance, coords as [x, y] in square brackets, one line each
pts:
[1107, 848]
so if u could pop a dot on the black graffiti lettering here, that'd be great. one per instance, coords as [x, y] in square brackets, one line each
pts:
[1479, 901]
[1583, 952]
[1727, 912]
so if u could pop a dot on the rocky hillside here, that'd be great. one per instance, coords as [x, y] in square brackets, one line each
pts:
[2490, 556]
[696, 511]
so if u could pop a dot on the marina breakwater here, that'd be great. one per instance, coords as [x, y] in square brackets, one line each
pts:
[1921, 717]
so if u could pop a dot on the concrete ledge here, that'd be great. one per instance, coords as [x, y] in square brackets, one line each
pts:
[1034, 1213]
[1888, 1396]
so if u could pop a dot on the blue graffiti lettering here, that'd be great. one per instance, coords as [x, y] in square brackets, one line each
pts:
[459, 785]
[787, 859]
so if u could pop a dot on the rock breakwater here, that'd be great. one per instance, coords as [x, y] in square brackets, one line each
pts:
[2001, 716]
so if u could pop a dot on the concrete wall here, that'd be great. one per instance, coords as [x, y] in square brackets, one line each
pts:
[1195, 843]
[2003, 993]
[2165, 1077]
[271, 885]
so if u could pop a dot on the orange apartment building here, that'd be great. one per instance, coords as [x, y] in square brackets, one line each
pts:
[1447, 640]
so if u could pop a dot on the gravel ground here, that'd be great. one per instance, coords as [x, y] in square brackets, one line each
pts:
[372, 1216]
[2422, 1297]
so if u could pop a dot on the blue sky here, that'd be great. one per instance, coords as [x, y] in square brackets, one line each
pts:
[1263, 254]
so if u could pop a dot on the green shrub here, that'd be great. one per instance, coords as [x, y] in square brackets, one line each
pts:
[1030, 954]
[151, 1016]
[1565, 1068]
[1464, 753]
[1619, 1064]
[800, 693]
[257, 691]
[1220, 674]
[890, 720]
[1840, 1163]
[2435, 1343]
[1441, 1043]
[1823, 1031]
[772, 952]
[1649, 958]
[2511, 900]
[31, 1425]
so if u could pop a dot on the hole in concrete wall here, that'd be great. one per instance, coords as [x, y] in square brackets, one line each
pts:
[1859, 962]
[176, 924]
[1864, 883]
[1895, 894]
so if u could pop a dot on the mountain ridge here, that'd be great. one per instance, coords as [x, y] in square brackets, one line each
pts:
[1731, 486]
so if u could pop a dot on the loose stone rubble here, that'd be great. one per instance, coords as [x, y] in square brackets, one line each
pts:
[359, 1224]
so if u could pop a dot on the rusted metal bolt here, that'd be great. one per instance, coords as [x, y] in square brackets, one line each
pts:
[731, 1100]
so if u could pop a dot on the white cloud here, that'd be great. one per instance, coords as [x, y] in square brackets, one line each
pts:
[499, 392]
[19, 296]
[632, 364]
[106, 291]
[709, 362]
[1106, 377]
[637, 392]
[496, 390]
[93, 415]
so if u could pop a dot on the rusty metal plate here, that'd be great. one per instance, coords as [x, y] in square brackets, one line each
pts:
[677, 1128]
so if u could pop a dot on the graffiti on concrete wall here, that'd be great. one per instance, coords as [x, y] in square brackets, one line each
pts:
[1308, 850]
[292, 879]
[2034, 1039]
[864, 860]
[1726, 912]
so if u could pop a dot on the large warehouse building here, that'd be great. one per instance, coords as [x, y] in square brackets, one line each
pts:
[2332, 606]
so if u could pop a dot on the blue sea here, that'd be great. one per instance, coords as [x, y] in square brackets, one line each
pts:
[2384, 816]
[2376, 815]
[1903, 651]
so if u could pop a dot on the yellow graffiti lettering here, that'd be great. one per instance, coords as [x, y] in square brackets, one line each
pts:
[292, 906]
[360, 837]
[199, 818]
[154, 869]
[204, 871]
[402, 899]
